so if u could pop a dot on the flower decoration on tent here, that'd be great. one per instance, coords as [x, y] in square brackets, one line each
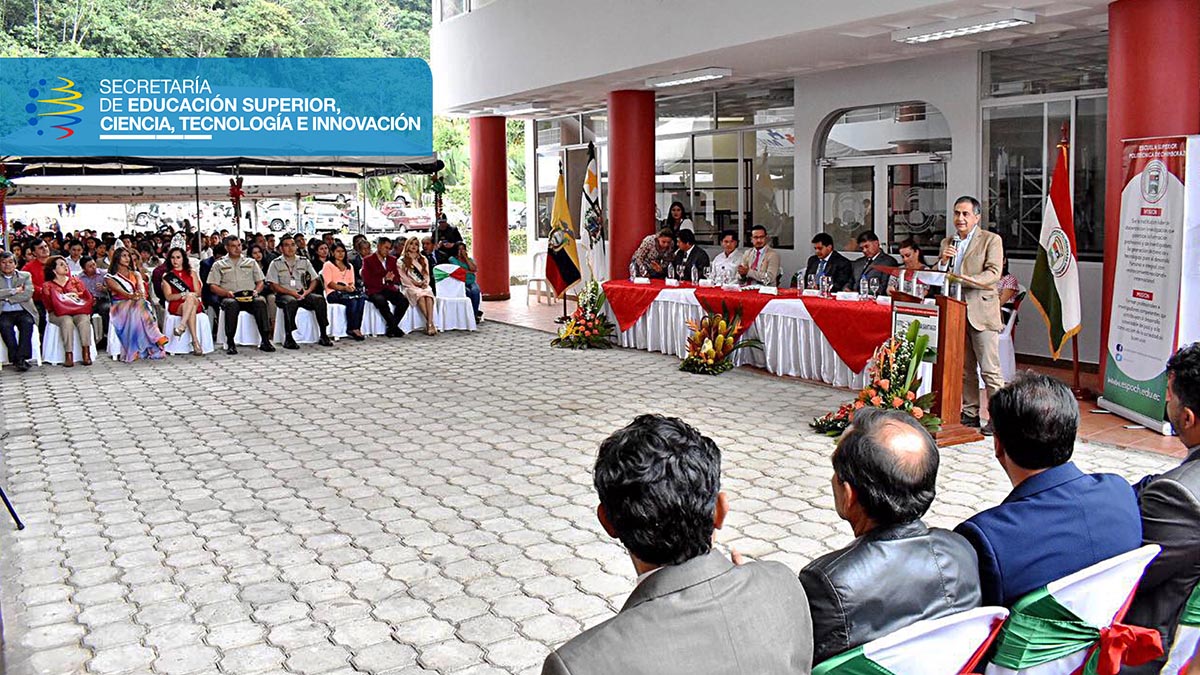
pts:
[894, 385]
[235, 195]
[589, 327]
[713, 341]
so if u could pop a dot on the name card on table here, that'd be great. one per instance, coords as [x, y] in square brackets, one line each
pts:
[672, 282]
[706, 283]
[846, 295]
[730, 287]
[768, 290]
[641, 280]
[811, 293]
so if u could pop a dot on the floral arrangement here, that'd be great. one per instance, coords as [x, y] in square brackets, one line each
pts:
[589, 327]
[894, 385]
[713, 341]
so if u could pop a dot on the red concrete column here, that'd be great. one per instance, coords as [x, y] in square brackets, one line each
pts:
[1153, 90]
[630, 175]
[489, 205]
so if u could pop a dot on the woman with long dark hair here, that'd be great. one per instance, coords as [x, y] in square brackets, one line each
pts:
[677, 218]
[181, 289]
[132, 315]
[343, 286]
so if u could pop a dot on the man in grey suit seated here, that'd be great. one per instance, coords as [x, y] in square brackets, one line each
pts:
[692, 611]
[897, 571]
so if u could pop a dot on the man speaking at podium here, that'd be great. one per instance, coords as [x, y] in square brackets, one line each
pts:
[975, 257]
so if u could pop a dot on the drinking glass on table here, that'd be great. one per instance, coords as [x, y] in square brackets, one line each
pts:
[632, 271]
[874, 286]
[826, 286]
[695, 274]
[812, 282]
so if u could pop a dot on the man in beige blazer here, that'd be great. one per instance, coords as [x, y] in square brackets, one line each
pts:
[976, 260]
[760, 265]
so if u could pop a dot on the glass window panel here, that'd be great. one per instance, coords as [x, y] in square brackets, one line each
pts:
[916, 205]
[452, 8]
[558, 132]
[773, 183]
[767, 104]
[1069, 64]
[846, 203]
[888, 130]
[547, 178]
[1015, 144]
[1091, 132]
[671, 175]
[684, 114]
[595, 126]
[715, 205]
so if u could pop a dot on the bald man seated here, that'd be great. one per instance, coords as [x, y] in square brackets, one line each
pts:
[897, 571]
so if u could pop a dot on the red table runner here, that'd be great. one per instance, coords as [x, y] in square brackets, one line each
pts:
[629, 301]
[750, 302]
[854, 329]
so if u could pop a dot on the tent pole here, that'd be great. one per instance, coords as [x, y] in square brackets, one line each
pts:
[200, 245]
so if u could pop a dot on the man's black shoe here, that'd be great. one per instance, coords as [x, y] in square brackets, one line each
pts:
[290, 344]
[22, 365]
[266, 347]
[325, 342]
[969, 421]
[986, 429]
[358, 338]
[231, 349]
[397, 333]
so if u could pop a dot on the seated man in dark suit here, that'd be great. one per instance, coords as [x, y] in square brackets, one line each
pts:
[692, 611]
[868, 243]
[826, 262]
[897, 571]
[1057, 520]
[689, 256]
[1170, 506]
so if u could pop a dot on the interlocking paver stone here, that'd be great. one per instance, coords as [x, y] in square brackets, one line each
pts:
[446, 528]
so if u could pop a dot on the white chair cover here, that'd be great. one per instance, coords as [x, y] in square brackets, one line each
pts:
[307, 331]
[113, 342]
[373, 323]
[1184, 645]
[936, 646]
[247, 331]
[337, 321]
[1094, 594]
[414, 320]
[183, 343]
[453, 309]
[35, 347]
[52, 347]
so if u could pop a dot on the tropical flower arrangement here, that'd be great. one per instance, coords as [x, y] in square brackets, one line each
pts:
[589, 327]
[713, 341]
[894, 385]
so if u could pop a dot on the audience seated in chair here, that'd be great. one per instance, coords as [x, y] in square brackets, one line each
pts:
[238, 282]
[692, 611]
[344, 287]
[133, 319]
[18, 315]
[298, 286]
[1170, 507]
[897, 571]
[68, 306]
[93, 278]
[416, 278]
[1057, 520]
[381, 281]
[462, 258]
[180, 286]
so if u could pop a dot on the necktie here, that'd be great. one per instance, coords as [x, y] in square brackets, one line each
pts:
[757, 255]
[866, 267]
[821, 270]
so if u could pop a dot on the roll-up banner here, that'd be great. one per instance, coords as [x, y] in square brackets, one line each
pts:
[1156, 288]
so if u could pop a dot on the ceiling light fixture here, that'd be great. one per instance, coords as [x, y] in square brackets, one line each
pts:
[520, 109]
[961, 27]
[689, 77]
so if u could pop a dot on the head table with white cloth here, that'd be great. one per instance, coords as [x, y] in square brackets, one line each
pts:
[810, 337]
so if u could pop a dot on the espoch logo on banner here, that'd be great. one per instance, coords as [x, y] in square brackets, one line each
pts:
[64, 115]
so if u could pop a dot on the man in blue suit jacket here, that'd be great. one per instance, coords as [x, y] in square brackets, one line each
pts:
[1057, 520]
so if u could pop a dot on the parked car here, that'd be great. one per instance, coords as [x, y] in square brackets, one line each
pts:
[278, 216]
[377, 223]
[320, 217]
[408, 219]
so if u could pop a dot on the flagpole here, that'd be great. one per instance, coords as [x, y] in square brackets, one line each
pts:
[1081, 393]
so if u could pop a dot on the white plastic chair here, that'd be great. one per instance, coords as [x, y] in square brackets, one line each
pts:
[538, 276]
[1096, 595]
[52, 347]
[1008, 354]
[307, 330]
[35, 346]
[183, 343]
[337, 321]
[945, 646]
[453, 309]
[246, 334]
[1187, 636]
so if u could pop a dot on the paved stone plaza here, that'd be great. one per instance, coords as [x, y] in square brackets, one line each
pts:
[403, 506]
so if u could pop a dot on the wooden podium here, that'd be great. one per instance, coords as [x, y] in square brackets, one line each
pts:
[948, 373]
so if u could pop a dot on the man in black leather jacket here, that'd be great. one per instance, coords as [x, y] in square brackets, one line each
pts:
[1170, 506]
[897, 571]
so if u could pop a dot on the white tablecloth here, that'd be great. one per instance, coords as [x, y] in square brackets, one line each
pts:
[793, 345]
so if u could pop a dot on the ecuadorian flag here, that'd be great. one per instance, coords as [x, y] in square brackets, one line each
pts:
[562, 257]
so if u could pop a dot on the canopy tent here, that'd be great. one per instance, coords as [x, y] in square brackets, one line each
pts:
[168, 187]
[344, 166]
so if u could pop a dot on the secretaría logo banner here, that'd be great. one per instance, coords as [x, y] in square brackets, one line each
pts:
[215, 107]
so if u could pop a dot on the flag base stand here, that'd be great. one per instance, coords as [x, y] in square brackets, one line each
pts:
[1080, 392]
[564, 318]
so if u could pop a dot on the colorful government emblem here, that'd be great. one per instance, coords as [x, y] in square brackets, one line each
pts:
[65, 114]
